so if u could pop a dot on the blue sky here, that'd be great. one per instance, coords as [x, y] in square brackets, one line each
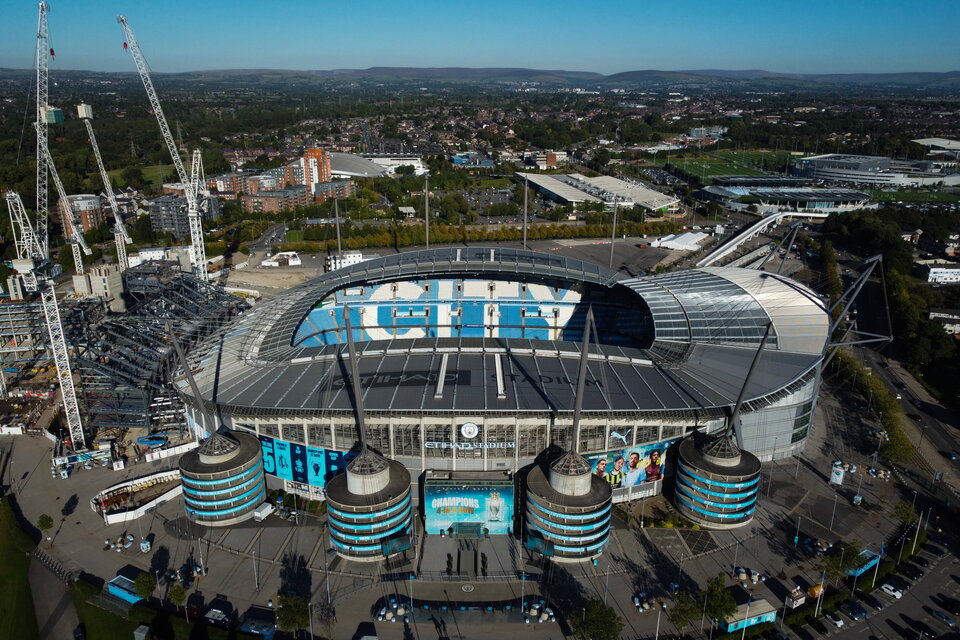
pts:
[797, 36]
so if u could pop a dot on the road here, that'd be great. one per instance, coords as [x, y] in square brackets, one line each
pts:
[274, 235]
[935, 433]
[899, 618]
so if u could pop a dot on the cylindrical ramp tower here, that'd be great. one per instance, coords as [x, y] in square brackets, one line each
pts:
[223, 481]
[717, 482]
[368, 507]
[567, 515]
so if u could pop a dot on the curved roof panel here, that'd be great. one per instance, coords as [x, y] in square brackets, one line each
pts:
[347, 164]
[708, 324]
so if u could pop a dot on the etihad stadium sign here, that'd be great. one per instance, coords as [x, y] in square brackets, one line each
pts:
[470, 445]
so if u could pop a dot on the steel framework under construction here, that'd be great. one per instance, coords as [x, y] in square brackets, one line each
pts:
[126, 363]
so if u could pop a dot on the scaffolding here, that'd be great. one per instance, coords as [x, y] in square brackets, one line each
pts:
[127, 363]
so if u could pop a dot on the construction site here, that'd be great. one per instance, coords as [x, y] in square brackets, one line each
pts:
[88, 357]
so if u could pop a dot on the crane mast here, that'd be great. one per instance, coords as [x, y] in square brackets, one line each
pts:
[42, 65]
[120, 235]
[71, 228]
[34, 267]
[198, 250]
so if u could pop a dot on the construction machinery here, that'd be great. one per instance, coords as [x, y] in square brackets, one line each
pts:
[33, 265]
[42, 67]
[191, 184]
[72, 230]
[120, 235]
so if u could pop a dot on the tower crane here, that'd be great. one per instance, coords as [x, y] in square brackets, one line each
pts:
[198, 257]
[72, 229]
[34, 267]
[120, 235]
[42, 66]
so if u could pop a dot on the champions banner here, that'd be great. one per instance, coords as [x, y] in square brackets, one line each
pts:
[632, 466]
[489, 506]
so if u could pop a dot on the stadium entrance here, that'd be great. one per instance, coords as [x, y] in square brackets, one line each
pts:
[468, 504]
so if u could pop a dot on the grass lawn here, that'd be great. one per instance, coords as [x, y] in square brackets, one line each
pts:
[768, 159]
[295, 235]
[913, 195]
[152, 174]
[707, 166]
[103, 624]
[17, 619]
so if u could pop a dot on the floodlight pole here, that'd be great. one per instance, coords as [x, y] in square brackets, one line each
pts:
[613, 233]
[336, 219]
[525, 212]
[426, 206]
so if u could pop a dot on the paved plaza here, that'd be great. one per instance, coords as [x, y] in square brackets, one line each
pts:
[250, 563]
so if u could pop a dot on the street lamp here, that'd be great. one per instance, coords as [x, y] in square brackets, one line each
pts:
[310, 615]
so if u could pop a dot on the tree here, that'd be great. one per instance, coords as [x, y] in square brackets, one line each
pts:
[292, 613]
[133, 177]
[720, 603]
[597, 622]
[905, 512]
[843, 557]
[44, 523]
[685, 610]
[144, 585]
[177, 596]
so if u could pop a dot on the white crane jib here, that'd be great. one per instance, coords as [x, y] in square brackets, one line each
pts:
[72, 230]
[198, 251]
[42, 62]
[34, 267]
[120, 235]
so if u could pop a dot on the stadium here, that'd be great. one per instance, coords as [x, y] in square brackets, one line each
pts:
[468, 362]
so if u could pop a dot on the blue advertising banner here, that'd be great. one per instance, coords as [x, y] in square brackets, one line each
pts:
[269, 458]
[490, 506]
[316, 467]
[634, 465]
[299, 463]
[281, 454]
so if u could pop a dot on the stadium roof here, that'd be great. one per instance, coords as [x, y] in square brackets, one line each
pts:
[940, 143]
[808, 194]
[631, 192]
[349, 165]
[708, 324]
[575, 187]
[560, 190]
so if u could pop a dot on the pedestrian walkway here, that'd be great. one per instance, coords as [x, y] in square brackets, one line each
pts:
[52, 603]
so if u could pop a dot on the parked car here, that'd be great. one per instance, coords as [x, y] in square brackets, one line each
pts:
[942, 617]
[854, 610]
[920, 560]
[891, 590]
[871, 601]
[935, 550]
[833, 619]
[910, 570]
[939, 539]
[952, 605]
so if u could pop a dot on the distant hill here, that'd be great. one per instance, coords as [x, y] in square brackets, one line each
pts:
[276, 79]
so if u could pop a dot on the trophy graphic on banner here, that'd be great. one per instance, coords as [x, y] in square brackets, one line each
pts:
[495, 507]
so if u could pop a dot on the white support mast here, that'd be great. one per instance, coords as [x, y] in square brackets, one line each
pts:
[120, 235]
[33, 266]
[198, 257]
[42, 62]
[72, 230]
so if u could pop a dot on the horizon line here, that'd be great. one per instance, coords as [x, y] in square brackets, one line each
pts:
[519, 68]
